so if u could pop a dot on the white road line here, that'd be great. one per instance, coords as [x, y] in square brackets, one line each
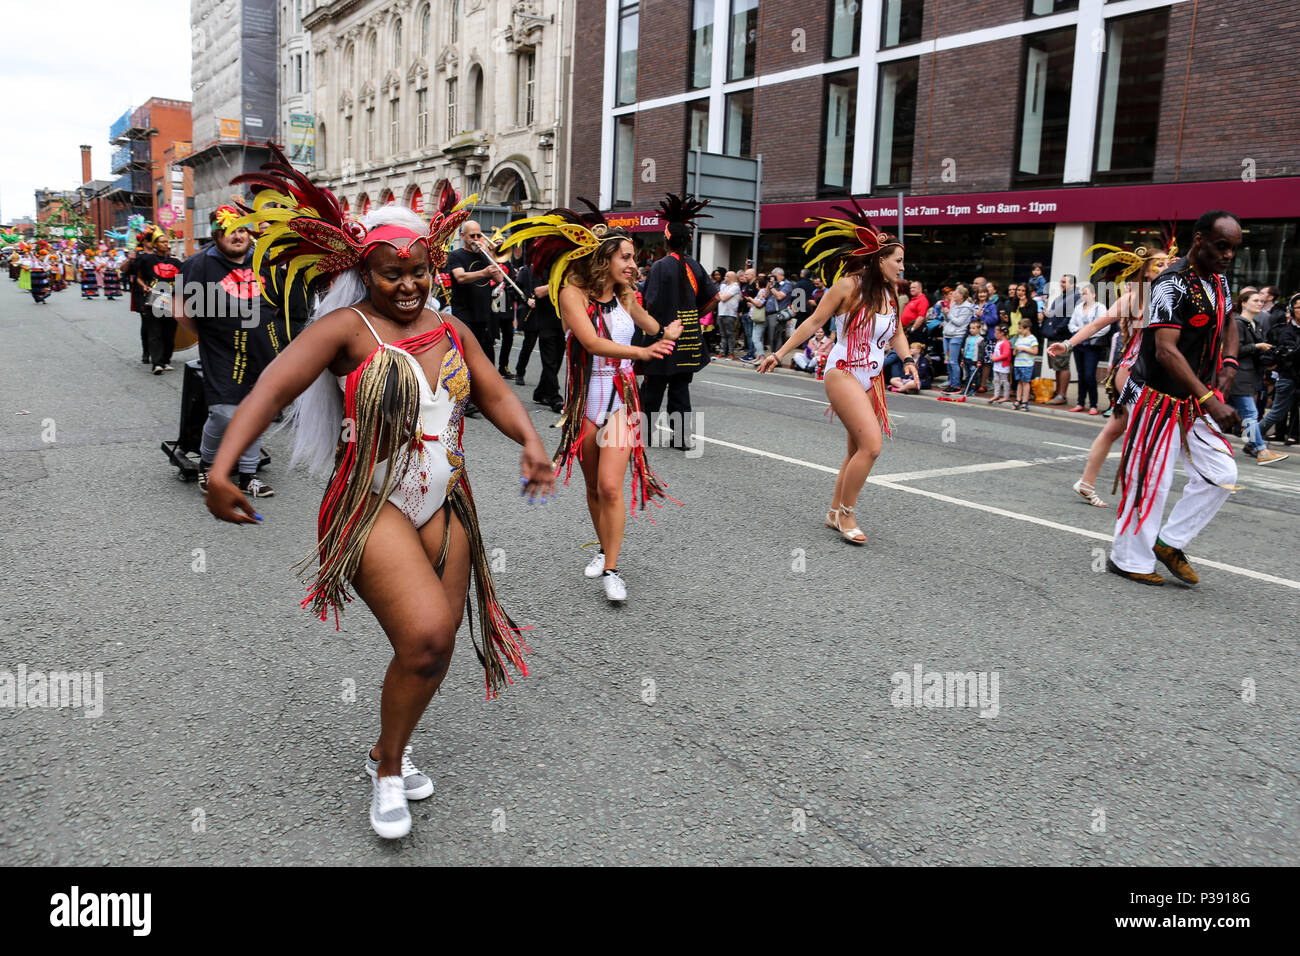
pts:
[886, 482]
[760, 391]
[1060, 445]
[974, 469]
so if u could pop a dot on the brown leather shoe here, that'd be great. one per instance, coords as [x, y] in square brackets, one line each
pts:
[1176, 561]
[1152, 578]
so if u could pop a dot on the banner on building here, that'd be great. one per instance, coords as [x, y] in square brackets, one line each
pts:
[258, 61]
[229, 128]
[302, 139]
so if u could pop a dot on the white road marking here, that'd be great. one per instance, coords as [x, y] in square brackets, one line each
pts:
[974, 469]
[891, 482]
[760, 391]
[1060, 445]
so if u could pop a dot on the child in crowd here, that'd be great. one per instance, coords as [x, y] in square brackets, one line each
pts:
[1001, 366]
[971, 353]
[901, 383]
[1023, 348]
[812, 357]
[1037, 283]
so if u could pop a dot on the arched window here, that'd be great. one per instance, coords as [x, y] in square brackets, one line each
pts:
[320, 145]
[347, 208]
[372, 55]
[385, 197]
[425, 22]
[396, 60]
[453, 30]
[476, 91]
[416, 202]
[363, 204]
[350, 66]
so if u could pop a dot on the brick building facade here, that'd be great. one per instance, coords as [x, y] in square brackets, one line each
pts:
[1015, 129]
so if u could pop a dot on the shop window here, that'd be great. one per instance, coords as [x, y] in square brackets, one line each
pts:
[629, 25]
[624, 159]
[1132, 70]
[839, 112]
[701, 63]
[742, 45]
[900, 22]
[740, 123]
[896, 123]
[843, 27]
[1045, 106]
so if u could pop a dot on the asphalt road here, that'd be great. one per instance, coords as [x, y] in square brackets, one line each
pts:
[739, 709]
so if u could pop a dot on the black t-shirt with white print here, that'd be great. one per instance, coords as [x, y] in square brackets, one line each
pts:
[1199, 309]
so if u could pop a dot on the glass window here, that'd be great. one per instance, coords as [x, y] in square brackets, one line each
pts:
[394, 137]
[844, 26]
[1131, 75]
[701, 68]
[347, 139]
[350, 66]
[624, 159]
[900, 22]
[526, 100]
[453, 127]
[372, 55]
[629, 24]
[896, 123]
[697, 125]
[370, 134]
[453, 16]
[743, 42]
[838, 116]
[424, 32]
[740, 123]
[476, 76]
[421, 118]
[396, 63]
[1043, 8]
[1045, 105]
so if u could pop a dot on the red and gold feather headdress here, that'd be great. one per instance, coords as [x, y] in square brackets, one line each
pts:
[844, 243]
[303, 225]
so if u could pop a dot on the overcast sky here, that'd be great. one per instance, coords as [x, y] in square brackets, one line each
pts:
[69, 68]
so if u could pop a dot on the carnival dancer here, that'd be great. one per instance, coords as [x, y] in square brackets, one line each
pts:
[677, 289]
[112, 277]
[40, 275]
[89, 281]
[591, 273]
[861, 266]
[1127, 311]
[1186, 363]
[381, 384]
[155, 274]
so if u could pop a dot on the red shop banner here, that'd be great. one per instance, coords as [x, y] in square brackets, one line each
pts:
[1261, 199]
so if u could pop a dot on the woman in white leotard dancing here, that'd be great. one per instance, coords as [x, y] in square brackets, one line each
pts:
[398, 522]
[592, 273]
[862, 267]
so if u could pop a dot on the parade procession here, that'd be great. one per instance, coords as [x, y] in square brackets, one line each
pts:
[630, 433]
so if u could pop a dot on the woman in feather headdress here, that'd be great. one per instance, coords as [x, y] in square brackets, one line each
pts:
[1120, 265]
[861, 267]
[591, 272]
[381, 385]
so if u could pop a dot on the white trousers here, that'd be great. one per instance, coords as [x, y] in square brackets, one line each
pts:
[1212, 458]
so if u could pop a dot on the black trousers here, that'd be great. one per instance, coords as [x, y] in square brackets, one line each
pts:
[481, 332]
[162, 337]
[678, 388]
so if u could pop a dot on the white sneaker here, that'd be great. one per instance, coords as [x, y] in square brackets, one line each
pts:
[418, 785]
[597, 565]
[615, 589]
[389, 814]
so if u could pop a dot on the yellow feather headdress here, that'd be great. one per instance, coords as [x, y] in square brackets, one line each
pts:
[560, 237]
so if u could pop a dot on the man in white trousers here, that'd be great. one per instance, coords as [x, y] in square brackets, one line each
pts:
[1177, 412]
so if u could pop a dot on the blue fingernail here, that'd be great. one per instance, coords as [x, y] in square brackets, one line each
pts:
[257, 516]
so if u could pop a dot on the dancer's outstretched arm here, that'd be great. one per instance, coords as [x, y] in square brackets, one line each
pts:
[573, 312]
[1123, 306]
[831, 301]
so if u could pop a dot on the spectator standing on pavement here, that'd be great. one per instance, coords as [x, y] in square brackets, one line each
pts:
[913, 317]
[1270, 309]
[1001, 366]
[779, 309]
[1285, 355]
[1023, 348]
[803, 296]
[1251, 346]
[678, 290]
[473, 273]
[1023, 308]
[1088, 354]
[727, 317]
[1055, 327]
[955, 325]
[755, 296]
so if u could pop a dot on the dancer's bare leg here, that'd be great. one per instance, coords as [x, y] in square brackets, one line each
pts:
[419, 613]
[856, 410]
[605, 454]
